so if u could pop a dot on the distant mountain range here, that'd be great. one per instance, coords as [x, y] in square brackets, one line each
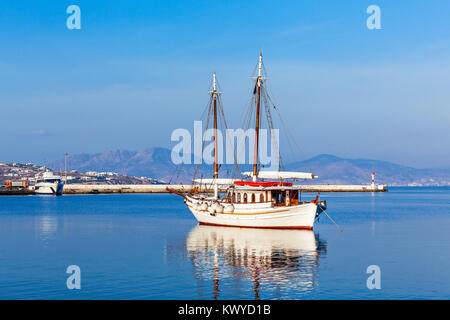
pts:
[156, 163]
[152, 162]
[335, 170]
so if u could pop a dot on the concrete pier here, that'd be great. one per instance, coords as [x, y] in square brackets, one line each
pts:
[162, 188]
[346, 188]
[123, 188]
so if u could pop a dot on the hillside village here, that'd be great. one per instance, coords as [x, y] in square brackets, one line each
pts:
[30, 173]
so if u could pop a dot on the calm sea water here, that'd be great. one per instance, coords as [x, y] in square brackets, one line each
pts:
[150, 247]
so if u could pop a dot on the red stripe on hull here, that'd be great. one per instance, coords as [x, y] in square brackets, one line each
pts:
[255, 227]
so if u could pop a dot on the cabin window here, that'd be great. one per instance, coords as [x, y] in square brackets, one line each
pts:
[293, 199]
[48, 181]
[245, 198]
[261, 198]
[239, 197]
[233, 198]
[253, 198]
[279, 197]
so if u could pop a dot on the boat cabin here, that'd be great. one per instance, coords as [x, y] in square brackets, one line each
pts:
[49, 177]
[275, 193]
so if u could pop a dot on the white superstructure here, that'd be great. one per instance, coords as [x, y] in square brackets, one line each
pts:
[49, 184]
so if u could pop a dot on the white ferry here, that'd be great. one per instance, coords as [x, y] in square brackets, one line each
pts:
[49, 184]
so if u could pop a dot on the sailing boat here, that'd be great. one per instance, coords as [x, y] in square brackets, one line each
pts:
[255, 203]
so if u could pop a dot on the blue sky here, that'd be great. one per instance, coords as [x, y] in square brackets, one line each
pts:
[137, 70]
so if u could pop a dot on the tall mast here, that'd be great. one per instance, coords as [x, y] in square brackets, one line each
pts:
[258, 103]
[214, 96]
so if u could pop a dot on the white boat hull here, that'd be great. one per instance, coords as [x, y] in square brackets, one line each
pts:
[295, 217]
[55, 188]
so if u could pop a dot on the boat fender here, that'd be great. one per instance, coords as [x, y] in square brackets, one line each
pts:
[229, 208]
[211, 210]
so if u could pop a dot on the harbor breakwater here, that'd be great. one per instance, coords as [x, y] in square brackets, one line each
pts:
[163, 188]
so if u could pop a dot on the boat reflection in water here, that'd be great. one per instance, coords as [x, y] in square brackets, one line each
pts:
[276, 263]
